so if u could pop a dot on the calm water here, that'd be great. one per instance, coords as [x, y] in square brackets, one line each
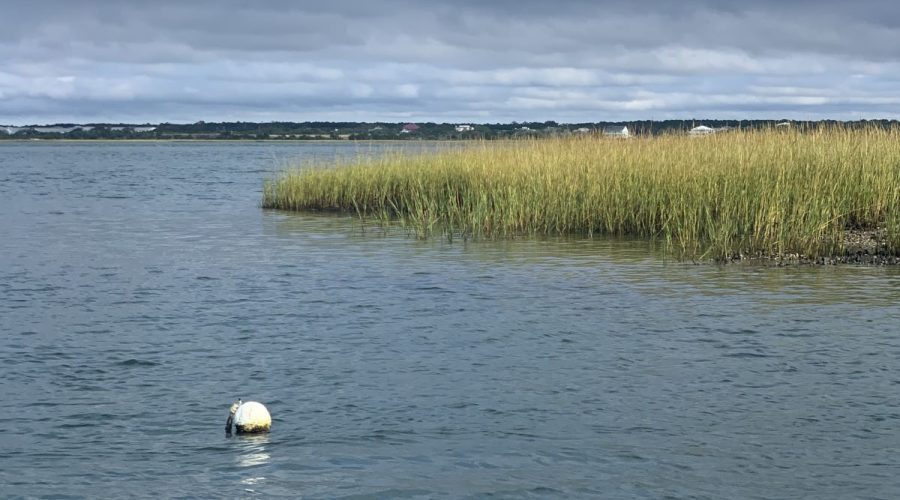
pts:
[142, 290]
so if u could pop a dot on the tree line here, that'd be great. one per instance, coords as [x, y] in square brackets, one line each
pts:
[325, 130]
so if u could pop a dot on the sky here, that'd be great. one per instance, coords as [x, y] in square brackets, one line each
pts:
[458, 61]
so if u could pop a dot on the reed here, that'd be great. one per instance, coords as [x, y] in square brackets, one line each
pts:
[760, 193]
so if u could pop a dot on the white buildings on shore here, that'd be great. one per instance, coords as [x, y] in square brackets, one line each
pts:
[701, 130]
[57, 129]
[133, 129]
[616, 131]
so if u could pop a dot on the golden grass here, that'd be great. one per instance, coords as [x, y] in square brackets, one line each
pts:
[767, 193]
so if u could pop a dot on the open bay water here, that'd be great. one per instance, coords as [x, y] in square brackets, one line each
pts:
[142, 290]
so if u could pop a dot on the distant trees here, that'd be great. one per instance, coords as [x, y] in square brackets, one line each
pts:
[382, 130]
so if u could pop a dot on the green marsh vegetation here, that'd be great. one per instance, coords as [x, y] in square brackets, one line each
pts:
[766, 193]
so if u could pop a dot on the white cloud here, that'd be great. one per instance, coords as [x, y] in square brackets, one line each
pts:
[554, 76]
[407, 90]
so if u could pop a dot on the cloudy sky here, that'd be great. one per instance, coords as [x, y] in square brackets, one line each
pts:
[448, 61]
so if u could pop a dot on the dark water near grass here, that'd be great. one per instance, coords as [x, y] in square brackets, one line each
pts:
[142, 290]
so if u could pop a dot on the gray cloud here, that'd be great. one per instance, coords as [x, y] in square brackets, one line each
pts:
[459, 61]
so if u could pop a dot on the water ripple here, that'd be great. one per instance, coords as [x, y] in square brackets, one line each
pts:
[142, 290]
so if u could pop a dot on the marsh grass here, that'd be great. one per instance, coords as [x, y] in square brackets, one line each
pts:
[762, 193]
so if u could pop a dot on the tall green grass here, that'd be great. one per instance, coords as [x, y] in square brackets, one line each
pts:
[771, 192]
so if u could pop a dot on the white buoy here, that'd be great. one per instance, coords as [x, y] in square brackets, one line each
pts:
[248, 418]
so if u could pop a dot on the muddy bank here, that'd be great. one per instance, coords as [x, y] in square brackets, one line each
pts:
[861, 246]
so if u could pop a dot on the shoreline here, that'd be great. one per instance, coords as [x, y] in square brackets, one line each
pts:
[861, 247]
[226, 141]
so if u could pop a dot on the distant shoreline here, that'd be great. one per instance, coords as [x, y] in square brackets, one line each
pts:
[293, 141]
[404, 131]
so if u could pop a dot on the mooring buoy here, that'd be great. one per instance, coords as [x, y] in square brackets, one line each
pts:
[248, 418]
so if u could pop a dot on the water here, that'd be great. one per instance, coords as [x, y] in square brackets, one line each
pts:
[142, 290]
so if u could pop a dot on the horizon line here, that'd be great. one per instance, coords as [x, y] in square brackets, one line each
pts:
[511, 122]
